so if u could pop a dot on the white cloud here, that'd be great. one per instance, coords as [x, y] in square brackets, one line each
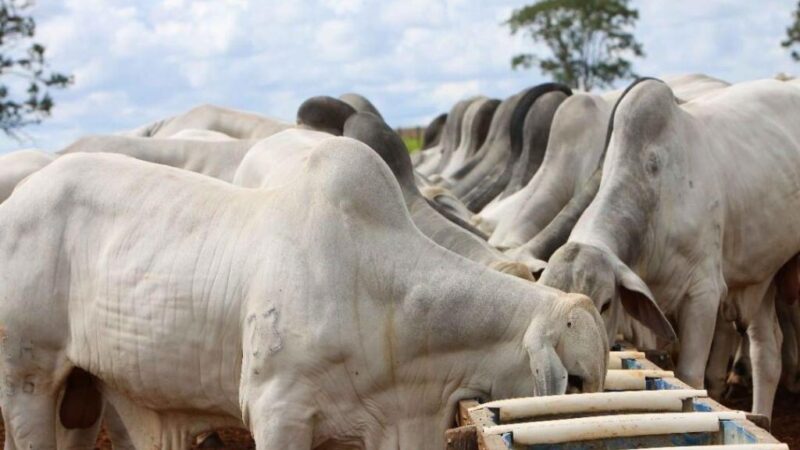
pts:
[138, 61]
[447, 94]
[342, 7]
[336, 40]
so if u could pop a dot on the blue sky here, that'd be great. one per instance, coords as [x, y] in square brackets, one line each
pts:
[138, 61]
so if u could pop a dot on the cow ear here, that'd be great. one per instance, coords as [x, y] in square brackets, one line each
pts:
[639, 303]
[535, 266]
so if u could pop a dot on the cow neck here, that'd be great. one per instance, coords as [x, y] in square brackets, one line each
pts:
[535, 133]
[479, 305]
[496, 140]
[451, 135]
[498, 167]
[433, 132]
[620, 213]
[375, 133]
[476, 129]
[557, 232]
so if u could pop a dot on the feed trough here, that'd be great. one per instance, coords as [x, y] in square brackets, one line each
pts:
[643, 406]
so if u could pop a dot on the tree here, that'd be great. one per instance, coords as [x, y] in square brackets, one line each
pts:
[589, 40]
[24, 76]
[793, 34]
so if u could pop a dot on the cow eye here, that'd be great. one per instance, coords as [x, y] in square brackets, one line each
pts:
[605, 306]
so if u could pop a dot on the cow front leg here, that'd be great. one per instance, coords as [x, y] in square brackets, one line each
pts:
[765, 354]
[29, 416]
[281, 417]
[696, 336]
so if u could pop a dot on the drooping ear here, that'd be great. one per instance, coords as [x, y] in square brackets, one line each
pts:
[513, 268]
[535, 265]
[638, 301]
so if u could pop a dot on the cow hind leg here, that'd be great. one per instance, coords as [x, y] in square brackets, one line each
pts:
[765, 354]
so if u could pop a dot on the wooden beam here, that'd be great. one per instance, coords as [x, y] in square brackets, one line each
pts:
[461, 438]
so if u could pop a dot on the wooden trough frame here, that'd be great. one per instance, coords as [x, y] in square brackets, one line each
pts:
[643, 407]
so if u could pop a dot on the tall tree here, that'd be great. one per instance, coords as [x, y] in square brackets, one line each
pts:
[589, 40]
[24, 76]
[793, 34]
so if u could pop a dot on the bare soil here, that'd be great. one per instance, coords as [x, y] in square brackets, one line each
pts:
[785, 416]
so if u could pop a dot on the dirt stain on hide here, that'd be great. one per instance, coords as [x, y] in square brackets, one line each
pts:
[266, 332]
[275, 340]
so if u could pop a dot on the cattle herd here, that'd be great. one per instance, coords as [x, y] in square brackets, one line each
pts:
[319, 286]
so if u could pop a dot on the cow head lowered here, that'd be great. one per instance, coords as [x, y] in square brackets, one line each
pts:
[614, 287]
[571, 351]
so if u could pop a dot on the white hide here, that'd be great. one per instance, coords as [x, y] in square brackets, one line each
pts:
[230, 122]
[314, 313]
[215, 158]
[701, 201]
[573, 153]
[15, 166]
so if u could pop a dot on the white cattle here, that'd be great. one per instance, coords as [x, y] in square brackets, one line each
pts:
[474, 129]
[269, 162]
[700, 201]
[574, 153]
[489, 172]
[306, 312]
[535, 134]
[236, 124]
[15, 166]
[201, 135]
[266, 166]
[215, 158]
[434, 159]
[432, 134]
[360, 103]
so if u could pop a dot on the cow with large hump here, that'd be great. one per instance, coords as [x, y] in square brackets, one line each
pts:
[158, 273]
[574, 152]
[234, 123]
[435, 158]
[215, 158]
[431, 219]
[697, 209]
[16, 166]
[360, 103]
[488, 173]
[433, 133]
[474, 130]
[535, 134]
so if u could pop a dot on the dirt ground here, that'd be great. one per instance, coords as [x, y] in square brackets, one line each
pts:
[785, 423]
[785, 417]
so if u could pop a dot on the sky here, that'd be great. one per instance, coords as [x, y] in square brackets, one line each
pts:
[139, 61]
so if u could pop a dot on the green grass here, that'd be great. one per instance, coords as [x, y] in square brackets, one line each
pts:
[413, 144]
